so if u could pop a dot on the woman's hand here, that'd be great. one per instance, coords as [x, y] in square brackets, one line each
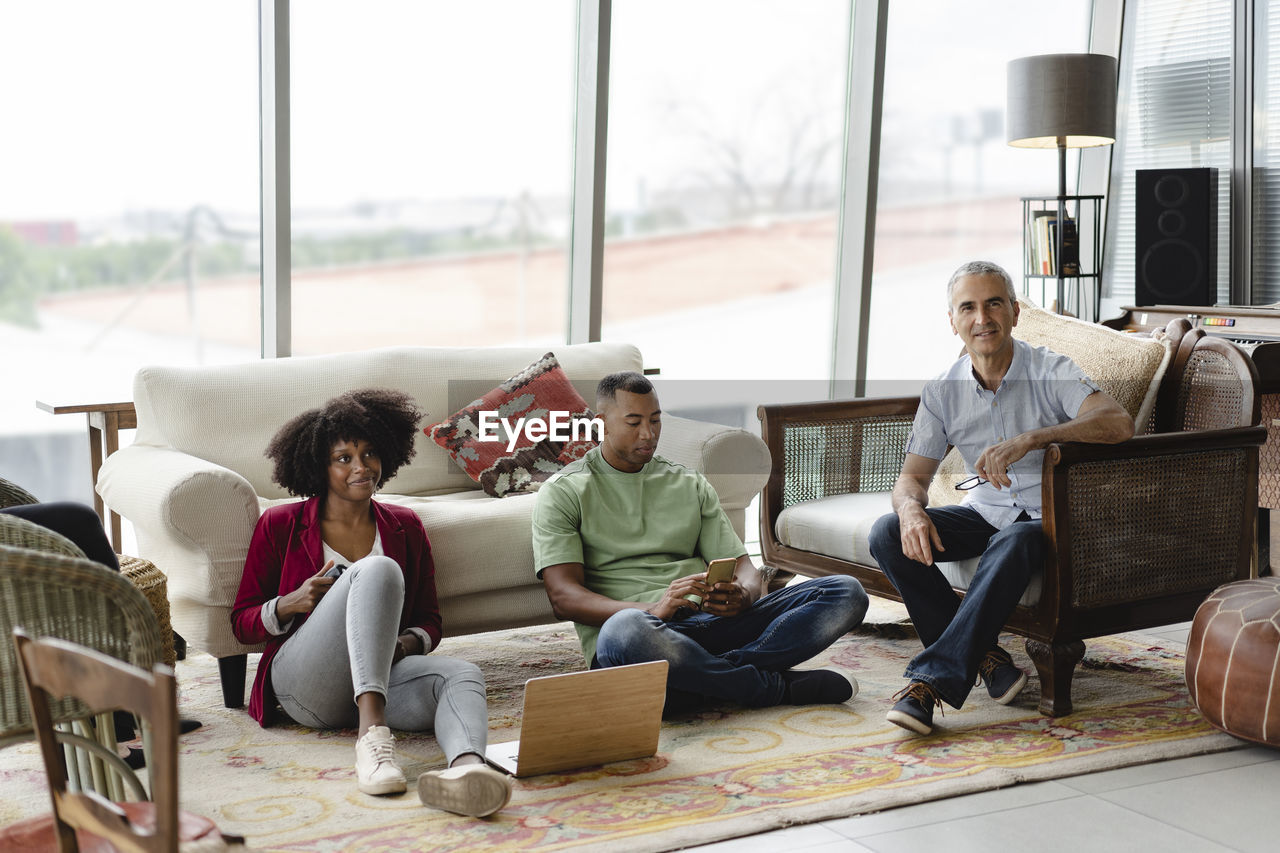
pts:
[305, 598]
[406, 644]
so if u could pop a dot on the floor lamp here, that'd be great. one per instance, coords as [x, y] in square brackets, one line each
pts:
[1062, 100]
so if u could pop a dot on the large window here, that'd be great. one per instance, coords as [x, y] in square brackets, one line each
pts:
[432, 149]
[949, 185]
[724, 159]
[128, 210]
[1174, 112]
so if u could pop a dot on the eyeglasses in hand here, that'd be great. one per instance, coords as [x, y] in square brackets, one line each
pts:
[971, 483]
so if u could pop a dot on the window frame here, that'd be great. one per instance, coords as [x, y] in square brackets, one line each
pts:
[867, 23]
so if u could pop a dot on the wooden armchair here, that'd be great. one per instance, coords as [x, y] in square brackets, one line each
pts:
[53, 669]
[1138, 533]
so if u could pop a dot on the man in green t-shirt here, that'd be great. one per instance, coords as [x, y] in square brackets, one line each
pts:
[622, 536]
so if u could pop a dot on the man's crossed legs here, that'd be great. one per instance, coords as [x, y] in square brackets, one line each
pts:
[959, 634]
[745, 658]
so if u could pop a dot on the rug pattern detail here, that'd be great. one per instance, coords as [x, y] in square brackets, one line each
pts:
[719, 773]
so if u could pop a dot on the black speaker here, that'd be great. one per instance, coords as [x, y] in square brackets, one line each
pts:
[1176, 237]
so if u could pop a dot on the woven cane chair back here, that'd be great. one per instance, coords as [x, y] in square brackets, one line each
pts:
[841, 456]
[1218, 388]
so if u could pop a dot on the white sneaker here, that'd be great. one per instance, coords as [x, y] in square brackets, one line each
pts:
[469, 789]
[377, 771]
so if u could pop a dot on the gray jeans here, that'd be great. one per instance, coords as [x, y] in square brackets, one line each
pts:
[345, 648]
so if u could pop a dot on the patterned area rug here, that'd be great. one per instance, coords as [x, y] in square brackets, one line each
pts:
[718, 774]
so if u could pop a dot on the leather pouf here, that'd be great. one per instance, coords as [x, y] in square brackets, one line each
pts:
[1233, 659]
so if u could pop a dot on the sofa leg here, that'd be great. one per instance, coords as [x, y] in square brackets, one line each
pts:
[1055, 664]
[231, 670]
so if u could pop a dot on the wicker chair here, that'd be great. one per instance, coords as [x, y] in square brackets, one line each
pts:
[12, 494]
[1138, 533]
[141, 573]
[50, 589]
[20, 533]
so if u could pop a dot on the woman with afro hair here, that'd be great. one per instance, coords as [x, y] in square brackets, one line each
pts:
[341, 589]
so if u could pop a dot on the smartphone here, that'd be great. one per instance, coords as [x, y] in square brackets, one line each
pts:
[335, 572]
[721, 571]
[718, 571]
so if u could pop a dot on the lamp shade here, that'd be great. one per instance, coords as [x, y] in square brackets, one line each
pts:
[1062, 95]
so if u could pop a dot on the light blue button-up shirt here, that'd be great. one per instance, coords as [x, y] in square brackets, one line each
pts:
[1041, 388]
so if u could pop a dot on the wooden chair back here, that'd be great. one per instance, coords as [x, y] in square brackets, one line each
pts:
[1167, 396]
[53, 669]
[1211, 384]
[1218, 388]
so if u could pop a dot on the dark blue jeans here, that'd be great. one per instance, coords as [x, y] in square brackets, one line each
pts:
[957, 633]
[737, 658]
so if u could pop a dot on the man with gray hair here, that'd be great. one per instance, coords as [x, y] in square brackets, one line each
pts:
[1000, 404]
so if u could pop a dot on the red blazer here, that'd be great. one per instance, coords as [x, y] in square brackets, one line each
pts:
[287, 548]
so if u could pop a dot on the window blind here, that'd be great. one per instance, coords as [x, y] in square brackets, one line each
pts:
[1174, 112]
[1266, 171]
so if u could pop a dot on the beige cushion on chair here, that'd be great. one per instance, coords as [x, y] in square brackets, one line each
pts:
[840, 525]
[837, 526]
[1128, 367]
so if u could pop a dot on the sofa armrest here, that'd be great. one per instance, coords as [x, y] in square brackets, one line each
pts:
[734, 461]
[1155, 517]
[193, 518]
[163, 490]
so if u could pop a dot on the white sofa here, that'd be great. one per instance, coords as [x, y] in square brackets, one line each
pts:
[196, 478]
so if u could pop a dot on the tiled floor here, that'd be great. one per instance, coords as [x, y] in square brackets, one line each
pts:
[1221, 802]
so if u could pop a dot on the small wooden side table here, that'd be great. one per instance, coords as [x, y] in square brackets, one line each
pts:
[105, 421]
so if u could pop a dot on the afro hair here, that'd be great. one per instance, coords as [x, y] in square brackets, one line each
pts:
[386, 419]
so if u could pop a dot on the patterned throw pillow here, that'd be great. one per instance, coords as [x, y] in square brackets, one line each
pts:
[533, 393]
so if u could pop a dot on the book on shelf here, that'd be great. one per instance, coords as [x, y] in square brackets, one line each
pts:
[1050, 243]
[1040, 245]
[1070, 247]
[1043, 244]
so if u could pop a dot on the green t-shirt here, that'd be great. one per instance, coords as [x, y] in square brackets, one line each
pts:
[633, 533]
